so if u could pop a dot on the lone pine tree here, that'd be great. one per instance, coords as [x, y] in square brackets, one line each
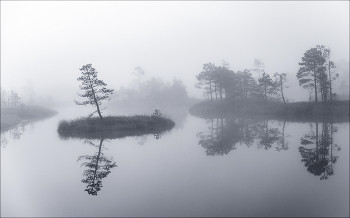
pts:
[94, 89]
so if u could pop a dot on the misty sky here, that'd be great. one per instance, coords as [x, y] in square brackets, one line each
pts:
[44, 43]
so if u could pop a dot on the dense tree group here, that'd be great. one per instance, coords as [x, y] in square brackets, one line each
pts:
[316, 73]
[219, 82]
[10, 98]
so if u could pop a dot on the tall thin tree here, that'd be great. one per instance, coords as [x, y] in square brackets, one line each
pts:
[94, 89]
[139, 73]
[308, 72]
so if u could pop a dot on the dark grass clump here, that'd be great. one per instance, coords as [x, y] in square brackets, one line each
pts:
[337, 111]
[112, 127]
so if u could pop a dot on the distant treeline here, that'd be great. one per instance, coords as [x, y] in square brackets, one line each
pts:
[152, 92]
[316, 74]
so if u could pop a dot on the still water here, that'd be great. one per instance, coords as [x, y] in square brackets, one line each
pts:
[202, 167]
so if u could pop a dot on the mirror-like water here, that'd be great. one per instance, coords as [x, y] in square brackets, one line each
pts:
[203, 167]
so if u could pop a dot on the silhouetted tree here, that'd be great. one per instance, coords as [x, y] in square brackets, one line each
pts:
[259, 66]
[267, 85]
[139, 73]
[329, 65]
[247, 85]
[226, 81]
[206, 78]
[310, 69]
[98, 168]
[280, 80]
[93, 88]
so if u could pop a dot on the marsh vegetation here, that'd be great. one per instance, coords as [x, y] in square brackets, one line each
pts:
[112, 127]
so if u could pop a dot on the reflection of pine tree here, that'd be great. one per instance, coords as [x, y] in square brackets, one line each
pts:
[247, 131]
[282, 143]
[99, 168]
[319, 160]
[17, 131]
[221, 137]
[267, 135]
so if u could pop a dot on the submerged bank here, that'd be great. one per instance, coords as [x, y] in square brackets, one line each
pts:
[12, 116]
[112, 127]
[337, 111]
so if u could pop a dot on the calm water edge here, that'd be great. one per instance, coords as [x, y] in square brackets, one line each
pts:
[203, 167]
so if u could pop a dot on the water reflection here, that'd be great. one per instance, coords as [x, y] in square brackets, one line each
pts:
[317, 145]
[14, 133]
[317, 149]
[4, 140]
[282, 144]
[17, 131]
[99, 166]
[225, 133]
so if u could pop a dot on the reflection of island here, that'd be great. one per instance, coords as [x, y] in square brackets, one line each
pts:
[225, 133]
[17, 131]
[319, 160]
[98, 168]
[14, 133]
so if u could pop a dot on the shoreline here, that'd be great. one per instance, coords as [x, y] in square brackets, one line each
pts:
[12, 116]
[337, 111]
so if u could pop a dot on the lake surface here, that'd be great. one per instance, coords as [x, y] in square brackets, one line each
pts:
[203, 167]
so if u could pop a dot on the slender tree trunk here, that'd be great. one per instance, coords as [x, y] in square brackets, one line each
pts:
[140, 86]
[282, 90]
[315, 84]
[97, 159]
[220, 93]
[330, 80]
[95, 100]
[96, 103]
[216, 94]
[211, 92]
[265, 90]
[316, 135]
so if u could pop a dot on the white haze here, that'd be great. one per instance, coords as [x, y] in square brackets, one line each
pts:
[44, 43]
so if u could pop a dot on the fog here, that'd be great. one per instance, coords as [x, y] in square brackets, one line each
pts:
[44, 43]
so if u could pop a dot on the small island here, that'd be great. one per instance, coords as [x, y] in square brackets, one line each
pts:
[109, 127]
[112, 127]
